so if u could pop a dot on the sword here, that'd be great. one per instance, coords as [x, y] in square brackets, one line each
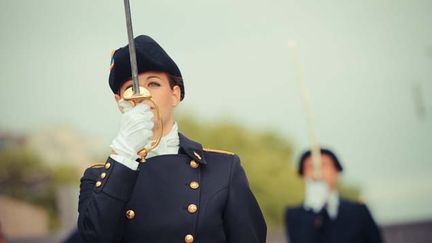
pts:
[132, 51]
[138, 94]
[306, 98]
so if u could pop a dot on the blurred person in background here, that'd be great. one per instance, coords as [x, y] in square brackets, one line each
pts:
[324, 217]
[181, 192]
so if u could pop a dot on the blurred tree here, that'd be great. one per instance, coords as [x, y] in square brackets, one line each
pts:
[351, 192]
[24, 176]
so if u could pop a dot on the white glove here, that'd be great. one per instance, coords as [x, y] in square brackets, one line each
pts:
[317, 194]
[136, 132]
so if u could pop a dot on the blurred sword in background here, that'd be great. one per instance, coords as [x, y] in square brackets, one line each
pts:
[307, 103]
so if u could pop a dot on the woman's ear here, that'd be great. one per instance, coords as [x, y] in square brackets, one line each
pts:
[176, 94]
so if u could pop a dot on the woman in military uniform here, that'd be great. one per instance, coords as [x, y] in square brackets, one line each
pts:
[182, 192]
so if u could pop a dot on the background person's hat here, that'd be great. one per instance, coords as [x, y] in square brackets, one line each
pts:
[323, 151]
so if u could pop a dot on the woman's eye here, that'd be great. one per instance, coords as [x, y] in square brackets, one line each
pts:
[153, 84]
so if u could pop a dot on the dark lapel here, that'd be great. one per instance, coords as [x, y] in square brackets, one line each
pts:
[192, 149]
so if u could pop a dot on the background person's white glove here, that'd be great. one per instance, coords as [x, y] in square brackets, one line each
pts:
[136, 130]
[317, 194]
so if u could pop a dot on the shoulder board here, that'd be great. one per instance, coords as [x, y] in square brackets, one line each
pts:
[217, 151]
[97, 165]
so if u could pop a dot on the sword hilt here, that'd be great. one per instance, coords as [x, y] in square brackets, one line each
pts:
[135, 99]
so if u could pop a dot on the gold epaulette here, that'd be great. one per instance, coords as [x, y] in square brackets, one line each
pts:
[97, 165]
[217, 151]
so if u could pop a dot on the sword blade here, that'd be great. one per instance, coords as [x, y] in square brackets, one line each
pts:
[132, 52]
[310, 119]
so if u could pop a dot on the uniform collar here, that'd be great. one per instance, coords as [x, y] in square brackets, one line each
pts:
[192, 149]
[333, 204]
[169, 144]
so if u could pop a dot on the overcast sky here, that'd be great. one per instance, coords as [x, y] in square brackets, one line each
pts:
[368, 65]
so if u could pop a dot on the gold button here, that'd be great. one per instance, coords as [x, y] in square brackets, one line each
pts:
[130, 214]
[192, 208]
[194, 164]
[107, 165]
[103, 175]
[98, 184]
[189, 238]
[194, 185]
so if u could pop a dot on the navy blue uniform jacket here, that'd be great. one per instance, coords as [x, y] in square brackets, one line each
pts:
[73, 237]
[194, 196]
[354, 224]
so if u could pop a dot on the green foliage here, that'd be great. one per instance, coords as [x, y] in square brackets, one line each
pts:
[350, 192]
[22, 175]
[26, 177]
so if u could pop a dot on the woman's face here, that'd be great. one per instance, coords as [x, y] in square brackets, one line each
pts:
[165, 97]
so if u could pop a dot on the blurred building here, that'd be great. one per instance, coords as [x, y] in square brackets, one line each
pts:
[20, 219]
[54, 146]
[8, 140]
[418, 232]
[411, 232]
[65, 145]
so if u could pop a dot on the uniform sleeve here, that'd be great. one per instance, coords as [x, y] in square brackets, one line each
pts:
[104, 193]
[371, 230]
[243, 220]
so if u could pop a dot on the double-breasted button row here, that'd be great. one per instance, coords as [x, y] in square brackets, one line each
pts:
[193, 208]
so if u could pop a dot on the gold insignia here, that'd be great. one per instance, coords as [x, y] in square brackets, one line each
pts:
[97, 165]
[218, 151]
[197, 155]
